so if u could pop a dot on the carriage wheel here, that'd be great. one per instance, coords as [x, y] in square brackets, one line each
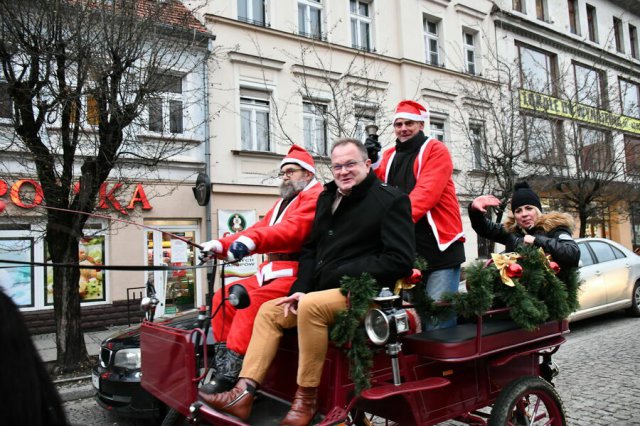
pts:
[174, 418]
[528, 401]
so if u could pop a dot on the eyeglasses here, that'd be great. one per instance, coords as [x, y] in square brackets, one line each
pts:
[288, 172]
[347, 166]
[408, 123]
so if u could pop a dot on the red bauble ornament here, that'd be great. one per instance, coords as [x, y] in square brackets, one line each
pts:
[514, 270]
[554, 267]
[415, 277]
[2, 206]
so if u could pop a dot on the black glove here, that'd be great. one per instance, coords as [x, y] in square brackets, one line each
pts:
[373, 147]
[237, 251]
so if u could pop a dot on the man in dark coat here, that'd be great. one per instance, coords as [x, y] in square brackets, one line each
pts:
[361, 225]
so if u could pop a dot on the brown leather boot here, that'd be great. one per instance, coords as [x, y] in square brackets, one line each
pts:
[237, 402]
[303, 408]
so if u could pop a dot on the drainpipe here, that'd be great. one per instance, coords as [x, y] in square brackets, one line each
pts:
[207, 146]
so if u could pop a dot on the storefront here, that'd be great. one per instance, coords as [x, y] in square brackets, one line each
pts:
[168, 216]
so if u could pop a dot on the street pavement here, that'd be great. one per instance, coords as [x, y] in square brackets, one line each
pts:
[599, 380]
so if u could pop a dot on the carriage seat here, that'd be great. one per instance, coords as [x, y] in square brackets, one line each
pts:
[461, 343]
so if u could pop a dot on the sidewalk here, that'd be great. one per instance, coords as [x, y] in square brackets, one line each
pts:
[76, 387]
[46, 343]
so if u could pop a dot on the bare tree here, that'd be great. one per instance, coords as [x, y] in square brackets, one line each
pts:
[82, 77]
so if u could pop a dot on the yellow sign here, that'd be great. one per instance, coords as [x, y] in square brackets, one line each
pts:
[573, 110]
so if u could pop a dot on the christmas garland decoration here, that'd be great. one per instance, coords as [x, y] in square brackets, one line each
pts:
[348, 331]
[527, 281]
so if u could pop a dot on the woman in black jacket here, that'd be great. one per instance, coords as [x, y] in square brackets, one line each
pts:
[527, 225]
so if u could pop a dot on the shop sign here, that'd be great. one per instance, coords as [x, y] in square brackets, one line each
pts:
[107, 196]
[564, 108]
[230, 222]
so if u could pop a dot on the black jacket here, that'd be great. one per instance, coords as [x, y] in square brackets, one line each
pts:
[370, 231]
[552, 232]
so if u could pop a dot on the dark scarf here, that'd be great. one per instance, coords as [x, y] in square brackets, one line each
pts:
[401, 171]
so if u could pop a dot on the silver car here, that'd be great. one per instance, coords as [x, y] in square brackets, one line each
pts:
[611, 278]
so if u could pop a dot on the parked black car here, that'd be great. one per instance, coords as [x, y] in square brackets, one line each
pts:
[116, 376]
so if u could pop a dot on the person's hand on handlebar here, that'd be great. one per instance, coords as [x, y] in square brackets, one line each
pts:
[290, 303]
[211, 249]
[482, 202]
[237, 250]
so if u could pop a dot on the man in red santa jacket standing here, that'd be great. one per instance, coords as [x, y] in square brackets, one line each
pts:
[421, 166]
[279, 235]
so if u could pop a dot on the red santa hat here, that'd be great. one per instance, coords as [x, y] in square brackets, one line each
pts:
[411, 110]
[298, 155]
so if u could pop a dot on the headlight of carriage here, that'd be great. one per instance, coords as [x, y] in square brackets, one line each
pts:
[127, 358]
[380, 325]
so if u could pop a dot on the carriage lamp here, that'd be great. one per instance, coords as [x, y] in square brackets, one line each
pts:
[387, 321]
[371, 129]
[238, 296]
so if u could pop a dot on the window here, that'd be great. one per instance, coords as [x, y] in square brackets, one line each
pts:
[6, 105]
[585, 255]
[18, 280]
[476, 135]
[363, 118]
[589, 86]
[437, 129]
[165, 109]
[541, 10]
[635, 225]
[596, 150]
[537, 70]
[431, 42]
[574, 20]
[603, 251]
[469, 52]
[315, 130]
[633, 39]
[360, 25]
[310, 18]
[592, 25]
[543, 140]
[617, 34]
[251, 11]
[630, 98]
[93, 111]
[254, 120]
[632, 154]
[518, 5]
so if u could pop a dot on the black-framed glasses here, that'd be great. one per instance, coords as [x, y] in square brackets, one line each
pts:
[289, 172]
[347, 166]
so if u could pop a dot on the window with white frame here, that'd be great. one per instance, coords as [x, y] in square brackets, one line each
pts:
[315, 129]
[589, 85]
[254, 120]
[431, 41]
[470, 63]
[541, 10]
[436, 127]
[361, 24]
[537, 70]
[252, 11]
[364, 117]
[476, 134]
[6, 105]
[518, 5]
[630, 98]
[166, 109]
[574, 16]
[592, 23]
[617, 34]
[310, 18]
[633, 41]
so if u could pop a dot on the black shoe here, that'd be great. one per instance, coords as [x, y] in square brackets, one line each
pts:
[219, 384]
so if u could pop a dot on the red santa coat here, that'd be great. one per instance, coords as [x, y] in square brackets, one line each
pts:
[434, 195]
[284, 234]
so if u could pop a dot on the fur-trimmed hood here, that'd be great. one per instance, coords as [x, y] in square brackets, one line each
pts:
[547, 222]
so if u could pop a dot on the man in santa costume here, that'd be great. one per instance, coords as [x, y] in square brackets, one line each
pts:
[421, 166]
[279, 235]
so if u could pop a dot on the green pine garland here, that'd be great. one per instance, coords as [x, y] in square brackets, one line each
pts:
[538, 296]
[348, 329]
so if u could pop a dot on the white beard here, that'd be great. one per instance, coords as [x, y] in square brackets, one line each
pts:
[290, 189]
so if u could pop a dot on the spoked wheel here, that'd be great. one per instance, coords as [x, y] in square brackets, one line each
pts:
[360, 418]
[528, 401]
[174, 418]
